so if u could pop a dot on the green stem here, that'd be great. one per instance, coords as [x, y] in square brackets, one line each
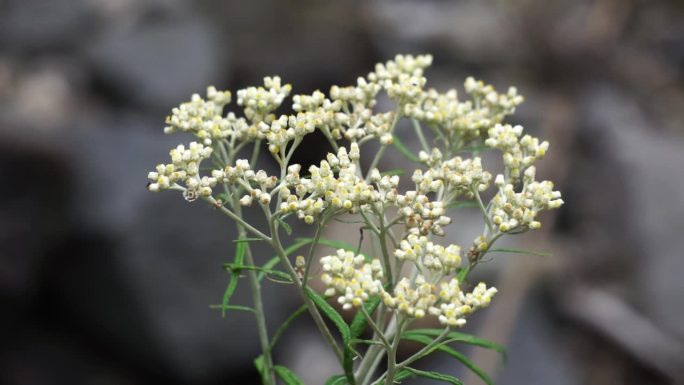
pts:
[426, 349]
[238, 219]
[420, 135]
[313, 310]
[485, 214]
[392, 355]
[255, 154]
[375, 327]
[260, 315]
[312, 248]
[383, 148]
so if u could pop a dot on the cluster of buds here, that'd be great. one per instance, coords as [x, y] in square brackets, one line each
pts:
[184, 172]
[204, 118]
[421, 215]
[458, 176]
[518, 153]
[426, 254]
[513, 211]
[260, 102]
[338, 184]
[349, 276]
[334, 183]
[444, 300]
[402, 78]
[455, 305]
[464, 120]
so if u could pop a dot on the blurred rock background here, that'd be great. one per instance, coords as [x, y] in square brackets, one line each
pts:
[104, 283]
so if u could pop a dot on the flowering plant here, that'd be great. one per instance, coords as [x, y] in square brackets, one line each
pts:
[408, 274]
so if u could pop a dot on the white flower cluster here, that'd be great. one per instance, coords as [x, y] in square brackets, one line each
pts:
[457, 175]
[354, 281]
[260, 102]
[518, 153]
[349, 276]
[456, 305]
[402, 78]
[435, 291]
[256, 184]
[427, 254]
[447, 302]
[335, 183]
[466, 120]
[515, 211]
[184, 169]
[421, 215]
[204, 118]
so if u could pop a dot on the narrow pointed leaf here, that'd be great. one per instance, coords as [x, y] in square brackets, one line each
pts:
[247, 240]
[288, 377]
[455, 354]
[519, 251]
[338, 379]
[289, 250]
[359, 323]
[286, 324]
[401, 147]
[396, 171]
[461, 337]
[237, 268]
[232, 307]
[286, 226]
[240, 250]
[336, 318]
[330, 312]
[462, 204]
[410, 372]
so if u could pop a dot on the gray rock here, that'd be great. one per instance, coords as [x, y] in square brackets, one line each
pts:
[44, 24]
[147, 290]
[653, 161]
[159, 64]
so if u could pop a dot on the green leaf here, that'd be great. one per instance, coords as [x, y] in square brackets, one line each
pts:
[462, 204]
[396, 171]
[232, 307]
[247, 240]
[461, 337]
[475, 148]
[240, 250]
[410, 372]
[336, 318]
[338, 379]
[462, 273]
[267, 266]
[519, 251]
[233, 267]
[330, 312]
[404, 150]
[286, 324]
[288, 377]
[359, 323]
[452, 352]
[286, 226]
[260, 367]
[299, 243]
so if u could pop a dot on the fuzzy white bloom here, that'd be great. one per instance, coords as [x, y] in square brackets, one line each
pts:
[349, 276]
[513, 211]
[518, 153]
[339, 185]
[260, 102]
